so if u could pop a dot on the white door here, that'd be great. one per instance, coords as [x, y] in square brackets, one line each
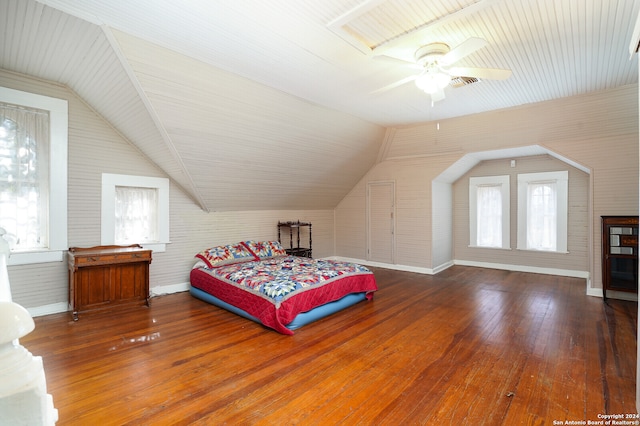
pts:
[381, 220]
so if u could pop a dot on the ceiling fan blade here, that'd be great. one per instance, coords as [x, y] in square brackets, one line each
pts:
[403, 53]
[484, 73]
[437, 96]
[423, 33]
[394, 85]
[391, 60]
[466, 48]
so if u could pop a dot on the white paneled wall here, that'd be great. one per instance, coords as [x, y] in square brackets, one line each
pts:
[412, 177]
[442, 244]
[193, 230]
[96, 148]
[247, 144]
[42, 41]
[350, 224]
[599, 131]
[578, 223]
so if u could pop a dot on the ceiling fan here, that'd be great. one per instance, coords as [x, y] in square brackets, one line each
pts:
[436, 60]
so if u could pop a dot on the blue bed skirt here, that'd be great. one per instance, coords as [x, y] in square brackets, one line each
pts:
[301, 319]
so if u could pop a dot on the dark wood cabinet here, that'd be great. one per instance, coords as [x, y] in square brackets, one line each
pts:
[294, 230]
[619, 254]
[106, 276]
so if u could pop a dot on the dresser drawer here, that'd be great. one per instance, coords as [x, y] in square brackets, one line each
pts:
[107, 258]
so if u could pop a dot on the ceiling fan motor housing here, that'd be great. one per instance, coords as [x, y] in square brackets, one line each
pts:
[431, 53]
[436, 60]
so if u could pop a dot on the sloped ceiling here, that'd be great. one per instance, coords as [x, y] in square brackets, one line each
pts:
[270, 105]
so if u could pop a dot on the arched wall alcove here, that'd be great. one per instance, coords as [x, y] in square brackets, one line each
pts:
[443, 255]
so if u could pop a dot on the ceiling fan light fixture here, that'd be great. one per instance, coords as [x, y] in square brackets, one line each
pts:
[432, 82]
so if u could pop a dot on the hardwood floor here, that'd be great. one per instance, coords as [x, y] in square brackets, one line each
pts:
[467, 346]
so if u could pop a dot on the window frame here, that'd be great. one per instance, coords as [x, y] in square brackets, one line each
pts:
[58, 172]
[109, 183]
[505, 190]
[562, 205]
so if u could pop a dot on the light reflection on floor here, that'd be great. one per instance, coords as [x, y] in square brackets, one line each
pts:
[141, 339]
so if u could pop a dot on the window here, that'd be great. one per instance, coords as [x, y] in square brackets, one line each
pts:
[489, 211]
[33, 175]
[136, 216]
[24, 175]
[542, 211]
[135, 210]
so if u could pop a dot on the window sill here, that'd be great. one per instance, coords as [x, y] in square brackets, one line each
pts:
[155, 247]
[32, 257]
[490, 248]
[542, 251]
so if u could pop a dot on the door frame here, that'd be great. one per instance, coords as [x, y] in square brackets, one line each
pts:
[392, 184]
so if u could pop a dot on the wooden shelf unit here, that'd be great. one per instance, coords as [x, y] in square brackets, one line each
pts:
[296, 250]
[619, 254]
[102, 277]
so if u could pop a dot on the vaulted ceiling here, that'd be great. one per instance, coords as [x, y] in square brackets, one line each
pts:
[289, 91]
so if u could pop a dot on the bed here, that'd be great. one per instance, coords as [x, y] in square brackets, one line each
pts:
[259, 281]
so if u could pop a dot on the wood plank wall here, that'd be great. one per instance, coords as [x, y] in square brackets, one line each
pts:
[597, 130]
[578, 226]
[281, 151]
[96, 148]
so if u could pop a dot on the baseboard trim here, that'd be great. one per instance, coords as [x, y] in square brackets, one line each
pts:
[590, 291]
[612, 294]
[440, 268]
[168, 289]
[522, 268]
[54, 308]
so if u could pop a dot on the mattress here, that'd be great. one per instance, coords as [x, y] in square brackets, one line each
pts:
[275, 291]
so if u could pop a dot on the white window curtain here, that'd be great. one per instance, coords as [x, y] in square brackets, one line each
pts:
[542, 215]
[136, 215]
[489, 204]
[24, 175]
[543, 206]
[489, 211]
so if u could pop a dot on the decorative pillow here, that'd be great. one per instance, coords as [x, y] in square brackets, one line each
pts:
[225, 255]
[265, 249]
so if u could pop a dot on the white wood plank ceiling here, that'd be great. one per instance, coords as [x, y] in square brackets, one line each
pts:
[203, 88]
[554, 48]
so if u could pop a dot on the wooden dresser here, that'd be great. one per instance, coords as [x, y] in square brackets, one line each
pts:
[106, 276]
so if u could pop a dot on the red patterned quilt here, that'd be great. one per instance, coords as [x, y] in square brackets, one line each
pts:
[277, 289]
